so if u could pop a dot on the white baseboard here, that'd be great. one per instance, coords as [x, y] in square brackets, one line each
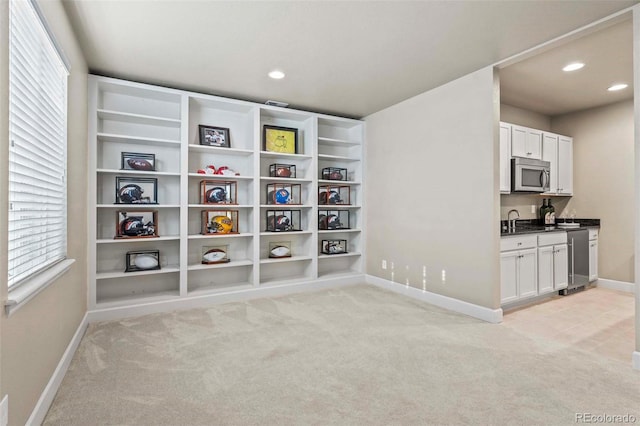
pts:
[616, 285]
[203, 301]
[46, 398]
[635, 360]
[460, 306]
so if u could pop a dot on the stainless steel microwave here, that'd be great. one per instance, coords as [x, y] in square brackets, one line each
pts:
[529, 175]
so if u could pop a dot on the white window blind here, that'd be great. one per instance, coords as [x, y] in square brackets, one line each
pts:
[38, 145]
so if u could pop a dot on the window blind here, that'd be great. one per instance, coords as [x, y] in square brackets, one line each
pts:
[38, 145]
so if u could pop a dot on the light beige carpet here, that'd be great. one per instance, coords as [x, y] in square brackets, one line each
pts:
[356, 356]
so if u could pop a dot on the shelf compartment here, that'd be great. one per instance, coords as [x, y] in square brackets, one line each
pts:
[338, 265]
[275, 155]
[138, 287]
[128, 117]
[217, 237]
[133, 140]
[282, 272]
[136, 172]
[220, 150]
[167, 189]
[284, 180]
[337, 182]
[138, 206]
[338, 230]
[139, 240]
[121, 274]
[336, 142]
[284, 259]
[237, 116]
[204, 280]
[201, 176]
[232, 264]
[264, 234]
[130, 98]
[137, 125]
[328, 157]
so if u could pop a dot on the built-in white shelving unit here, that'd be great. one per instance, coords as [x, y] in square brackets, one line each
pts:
[132, 117]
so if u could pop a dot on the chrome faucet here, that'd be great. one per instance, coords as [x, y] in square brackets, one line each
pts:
[512, 223]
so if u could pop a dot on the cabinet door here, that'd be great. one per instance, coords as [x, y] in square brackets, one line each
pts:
[534, 143]
[593, 260]
[527, 273]
[518, 141]
[545, 269]
[550, 154]
[565, 165]
[508, 276]
[505, 157]
[560, 267]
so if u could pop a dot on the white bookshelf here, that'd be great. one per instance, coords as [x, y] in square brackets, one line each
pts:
[133, 117]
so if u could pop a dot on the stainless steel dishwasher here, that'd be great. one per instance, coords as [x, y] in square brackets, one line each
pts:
[578, 248]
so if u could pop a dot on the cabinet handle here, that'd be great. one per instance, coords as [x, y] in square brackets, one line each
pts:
[519, 244]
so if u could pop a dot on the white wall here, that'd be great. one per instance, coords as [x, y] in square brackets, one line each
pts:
[432, 189]
[523, 117]
[603, 180]
[35, 337]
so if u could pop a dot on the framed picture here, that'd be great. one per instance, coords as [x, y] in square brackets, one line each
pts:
[132, 190]
[136, 224]
[280, 139]
[142, 260]
[215, 254]
[215, 136]
[138, 161]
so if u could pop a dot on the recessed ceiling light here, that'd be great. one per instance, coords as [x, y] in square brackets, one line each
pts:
[277, 75]
[617, 87]
[573, 66]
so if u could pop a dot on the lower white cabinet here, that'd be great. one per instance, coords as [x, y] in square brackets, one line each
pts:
[553, 271]
[532, 265]
[593, 255]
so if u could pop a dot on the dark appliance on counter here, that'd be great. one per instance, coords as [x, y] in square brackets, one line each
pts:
[529, 175]
[578, 248]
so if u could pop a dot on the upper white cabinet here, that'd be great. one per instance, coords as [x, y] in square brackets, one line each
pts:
[505, 158]
[526, 142]
[164, 125]
[558, 151]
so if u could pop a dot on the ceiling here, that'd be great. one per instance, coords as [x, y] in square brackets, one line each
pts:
[349, 58]
[539, 84]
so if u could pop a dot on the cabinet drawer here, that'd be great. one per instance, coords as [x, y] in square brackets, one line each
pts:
[593, 234]
[552, 238]
[518, 242]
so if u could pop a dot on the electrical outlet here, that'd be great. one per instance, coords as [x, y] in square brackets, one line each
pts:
[533, 208]
[384, 264]
[444, 275]
[4, 411]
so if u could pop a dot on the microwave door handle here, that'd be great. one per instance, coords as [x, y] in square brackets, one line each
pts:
[544, 179]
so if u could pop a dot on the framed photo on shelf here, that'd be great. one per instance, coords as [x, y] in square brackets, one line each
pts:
[280, 139]
[135, 190]
[215, 136]
[136, 224]
[142, 260]
[138, 161]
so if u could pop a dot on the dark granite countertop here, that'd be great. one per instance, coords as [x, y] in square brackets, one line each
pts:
[532, 226]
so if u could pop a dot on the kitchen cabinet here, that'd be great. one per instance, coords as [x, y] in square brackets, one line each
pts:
[505, 158]
[518, 260]
[593, 255]
[558, 151]
[526, 142]
[553, 271]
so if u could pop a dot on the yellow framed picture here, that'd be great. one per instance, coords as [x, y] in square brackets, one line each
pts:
[280, 139]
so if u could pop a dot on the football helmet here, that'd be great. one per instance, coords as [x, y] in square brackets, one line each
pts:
[330, 197]
[216, 195]
[130, 194]
[331, 221]
[281, 196]
[220, 225]
[132, 226]
[279, 223]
